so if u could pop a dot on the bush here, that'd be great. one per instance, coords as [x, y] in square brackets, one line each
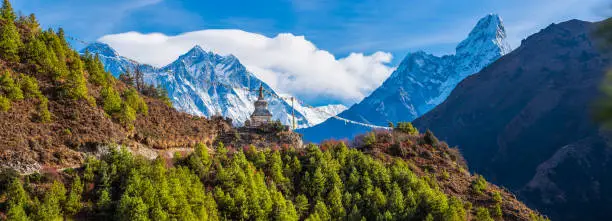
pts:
[5, 103]
[406, 127]
[497, 197]
[497, 211]
[430, 138]
[369, 139]
[482, 214]
[44, 115]
[479, 184]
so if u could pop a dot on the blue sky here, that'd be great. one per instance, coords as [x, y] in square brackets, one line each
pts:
[396, 26]
[372, 31]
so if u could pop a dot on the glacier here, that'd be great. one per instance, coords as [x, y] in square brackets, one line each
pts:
[420, 83]
[206, 84]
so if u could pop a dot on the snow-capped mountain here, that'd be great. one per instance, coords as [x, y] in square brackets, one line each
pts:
[421, 82]
[113, 62]
[205, 84]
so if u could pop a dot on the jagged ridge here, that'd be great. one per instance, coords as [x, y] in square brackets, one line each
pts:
[420, 82]
[188, 81]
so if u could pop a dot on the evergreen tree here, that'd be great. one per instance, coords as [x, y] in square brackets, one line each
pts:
[29, 87]
[135, 101]
[111, 101]
[73, 202]
[301, 205]
[104, 200]
[15, 193]
[9, 87]
[76, 84]
[50, 208]
[10, 41]
[320, 212]
[127, 116]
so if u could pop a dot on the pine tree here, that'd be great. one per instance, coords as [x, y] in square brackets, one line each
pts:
[51, 209]
[111, 101]
[104, 200]
[127, 116]
[73, 202]
[16, 213]
[334, 199]
[10, 41]
[16, 195]
[135, 101]
[9, 87]
[76, 84]
[29, 86]
[301, 205]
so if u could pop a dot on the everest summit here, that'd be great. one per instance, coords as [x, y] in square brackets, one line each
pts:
[206, 84]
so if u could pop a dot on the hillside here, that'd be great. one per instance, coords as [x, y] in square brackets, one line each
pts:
[78, 144]
[387, 175]
[526, 123]
[56, 104]
[420, 82]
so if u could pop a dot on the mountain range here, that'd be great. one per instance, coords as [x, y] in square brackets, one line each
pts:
[206, 84]
[421, 82]
[525, 122]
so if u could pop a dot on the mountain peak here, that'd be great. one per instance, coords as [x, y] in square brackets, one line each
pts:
[196, 50]
[488, 34]
[101, 49]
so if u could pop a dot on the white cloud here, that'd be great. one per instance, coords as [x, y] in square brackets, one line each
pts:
[289, 63]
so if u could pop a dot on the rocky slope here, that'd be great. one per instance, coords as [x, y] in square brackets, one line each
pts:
[421, 82]
[525, 122]
[206, 84]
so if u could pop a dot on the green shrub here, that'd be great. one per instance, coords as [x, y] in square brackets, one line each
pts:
[44, 115]
[482, 214]
[369, 139]
[497, 197]
[430, 138]
[479, 184]
[497, 211]
[5, 103]
[406, 127]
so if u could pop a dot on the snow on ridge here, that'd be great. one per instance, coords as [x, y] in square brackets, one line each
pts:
[188, 82]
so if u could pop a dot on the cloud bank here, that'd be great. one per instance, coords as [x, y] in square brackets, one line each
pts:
[288, 63]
